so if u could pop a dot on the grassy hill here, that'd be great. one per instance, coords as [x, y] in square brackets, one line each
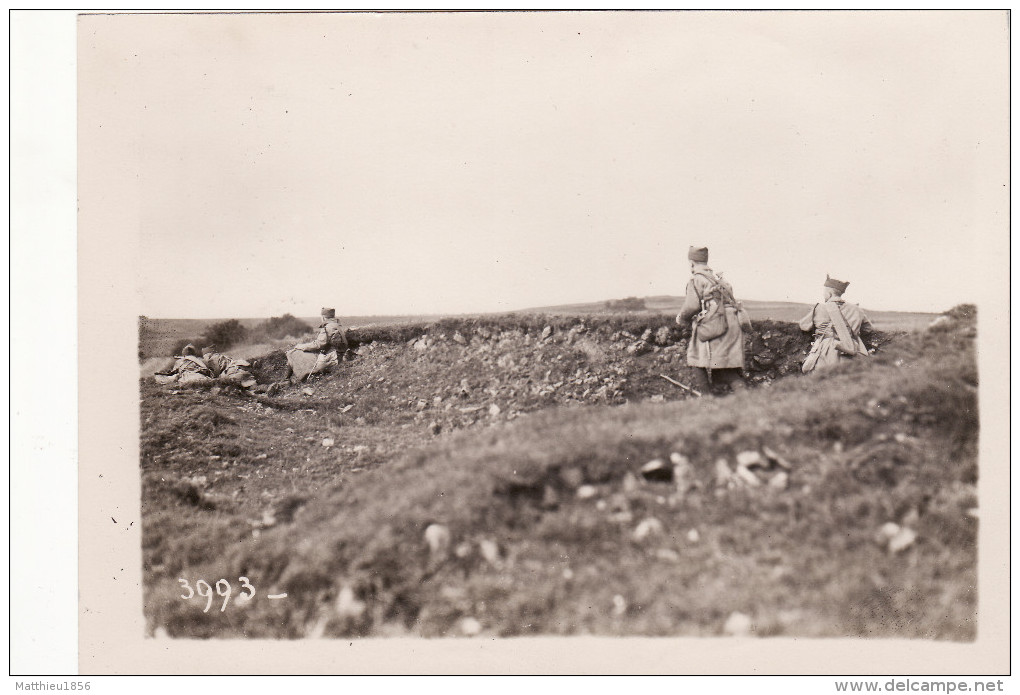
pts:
[484, 477]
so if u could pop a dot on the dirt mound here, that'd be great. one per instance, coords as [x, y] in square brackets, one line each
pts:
[325, 490]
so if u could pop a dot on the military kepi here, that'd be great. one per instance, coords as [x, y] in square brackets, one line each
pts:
[329, 313]
[837, 285]
[697, 254]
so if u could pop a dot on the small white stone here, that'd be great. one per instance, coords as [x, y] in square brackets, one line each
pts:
[749, 459]
[780, 481]
[888, 530]
[494, 410]
[347, 604]
[630, 482]
[438, 538]
[619, 605]
[693, 536]
[587, 492]
[490, 551]
[648, 527]
[748, 477]
[327, 442]
[738, 625]
[902, 540]
[470, 627]
[568, 573]
[667, 555]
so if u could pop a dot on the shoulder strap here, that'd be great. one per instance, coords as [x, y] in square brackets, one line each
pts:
[846, 339]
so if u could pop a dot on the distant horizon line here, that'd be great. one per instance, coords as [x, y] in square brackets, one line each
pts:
[539, 309]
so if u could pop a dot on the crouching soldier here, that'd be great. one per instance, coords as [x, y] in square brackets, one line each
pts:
[837, 327]
[228, 369]
[320, 355]
[188, 369]
[716, 347]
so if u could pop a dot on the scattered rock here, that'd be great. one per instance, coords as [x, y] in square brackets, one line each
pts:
[347, 604]
[308, 391]
[723, 474]
[421, 345]
[750, 459]
[664, 335]
[738, 625]
[884, 534]
[494, 410]
[657, 471]
[458, 338]
[747, 477]
[268, 520]
[780, 481]
[490, 551]
[630, 482]
[693, 536]
[683, 473]
[667, 555]
[568, 573]
[776, 459]
[347, 408]
[438, 538]
[262, 457]
[902, 540]
[647, 528]
[462, 550]
[587, 492]
[619, 605]
[327, 442]
[469, 627]
[657, 398]
[546, 332]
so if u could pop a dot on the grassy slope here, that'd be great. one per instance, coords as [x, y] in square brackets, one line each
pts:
[890, 439]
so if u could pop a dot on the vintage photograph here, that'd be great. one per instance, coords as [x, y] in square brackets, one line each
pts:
[487, 325]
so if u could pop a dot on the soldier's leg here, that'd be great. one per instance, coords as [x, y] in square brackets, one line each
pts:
[700, 381]
[732, 378]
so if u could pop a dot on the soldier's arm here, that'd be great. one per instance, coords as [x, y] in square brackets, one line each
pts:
[808, 322]
[692, 303]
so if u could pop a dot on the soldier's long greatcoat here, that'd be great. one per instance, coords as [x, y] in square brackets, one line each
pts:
[823, 351]
[726, 351]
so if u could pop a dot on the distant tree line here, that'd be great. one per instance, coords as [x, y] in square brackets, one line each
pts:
[225, 334]
[626, 304]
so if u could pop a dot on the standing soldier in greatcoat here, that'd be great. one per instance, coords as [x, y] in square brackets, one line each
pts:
[716, 347]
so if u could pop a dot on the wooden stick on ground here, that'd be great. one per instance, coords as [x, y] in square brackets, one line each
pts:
[685, 388]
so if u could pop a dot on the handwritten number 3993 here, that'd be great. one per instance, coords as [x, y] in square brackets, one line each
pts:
[223, 588]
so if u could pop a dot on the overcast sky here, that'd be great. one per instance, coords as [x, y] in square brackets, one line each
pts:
[448, 163]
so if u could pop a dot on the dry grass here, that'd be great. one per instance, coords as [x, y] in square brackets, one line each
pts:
[892, 439]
